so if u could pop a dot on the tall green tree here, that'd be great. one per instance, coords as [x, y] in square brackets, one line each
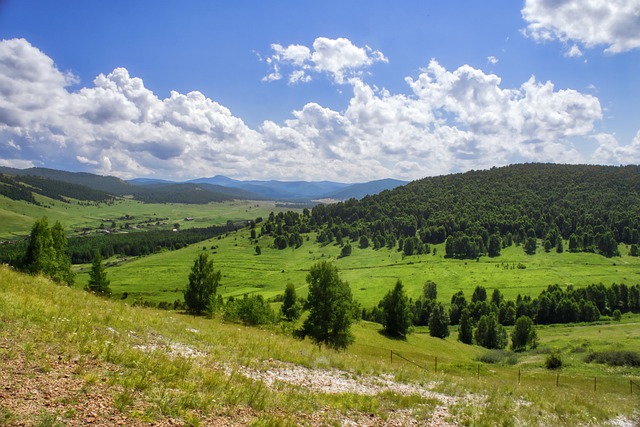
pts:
[523, 334]
[465, 330]
[47, 252]
[397, 311]
[439, 321]
[203, 284]
[98, 282]
[63, 271]
[490, 333]
[40, 255]
[331, 308]
[290, 306]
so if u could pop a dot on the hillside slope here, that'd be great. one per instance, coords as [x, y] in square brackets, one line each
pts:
[541, 201]
[70, 358]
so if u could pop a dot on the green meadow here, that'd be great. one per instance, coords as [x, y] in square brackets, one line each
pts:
[148, 365]
[16, 217]
[371, 273]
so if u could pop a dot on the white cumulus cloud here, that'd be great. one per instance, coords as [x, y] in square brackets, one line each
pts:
[614, 24]
[339, 58]
[448, 121]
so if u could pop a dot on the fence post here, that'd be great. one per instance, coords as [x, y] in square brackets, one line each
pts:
[392, 357]
[478, 371]
[518, 376]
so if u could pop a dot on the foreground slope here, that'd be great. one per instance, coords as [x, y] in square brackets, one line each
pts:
[70, 358]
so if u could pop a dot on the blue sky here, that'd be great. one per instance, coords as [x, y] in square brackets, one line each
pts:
[345, 91]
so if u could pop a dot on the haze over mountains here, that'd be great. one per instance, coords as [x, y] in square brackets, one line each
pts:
[217, 188]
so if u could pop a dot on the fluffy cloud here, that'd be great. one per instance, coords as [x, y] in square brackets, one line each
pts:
[450, 120]
[339, 58]
[611, 152]
[614, 24]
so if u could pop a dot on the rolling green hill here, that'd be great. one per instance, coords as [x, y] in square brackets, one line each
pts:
[70, 358]
[597, 205]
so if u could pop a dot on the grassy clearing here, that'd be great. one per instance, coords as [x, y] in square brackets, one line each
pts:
[371, 273]
[20, 216]
[151, 365]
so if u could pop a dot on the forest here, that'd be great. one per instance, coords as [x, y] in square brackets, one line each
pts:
[476, 213]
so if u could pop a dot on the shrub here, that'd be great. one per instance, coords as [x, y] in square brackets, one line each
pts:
[617, 315]
[554, 361]
[250, 310]
[615, 358]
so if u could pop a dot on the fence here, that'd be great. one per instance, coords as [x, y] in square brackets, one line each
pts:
[602, 384]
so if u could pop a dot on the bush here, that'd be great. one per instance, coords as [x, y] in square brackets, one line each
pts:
[492, 357]
[615, 358]
[250, 310]
[617, 315]
[554, 361]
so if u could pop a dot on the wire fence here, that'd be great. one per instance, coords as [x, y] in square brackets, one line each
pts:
[608, 384]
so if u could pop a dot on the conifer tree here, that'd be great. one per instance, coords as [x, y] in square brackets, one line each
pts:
[203, 284]
[331, 308]
[290, 306]
[439, 322]
[396, 311]
[98, 282]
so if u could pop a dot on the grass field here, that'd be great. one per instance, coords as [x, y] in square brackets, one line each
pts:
[16, 218]
[371, 273]
[146, 365]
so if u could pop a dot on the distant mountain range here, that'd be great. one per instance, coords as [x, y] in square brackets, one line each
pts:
[202, 190]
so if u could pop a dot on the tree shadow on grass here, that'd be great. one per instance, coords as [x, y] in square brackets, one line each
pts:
[392, 336]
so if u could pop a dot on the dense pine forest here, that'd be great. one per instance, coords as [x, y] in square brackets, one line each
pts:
[478, 212]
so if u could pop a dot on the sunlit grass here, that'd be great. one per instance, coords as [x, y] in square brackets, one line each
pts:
[170, 365]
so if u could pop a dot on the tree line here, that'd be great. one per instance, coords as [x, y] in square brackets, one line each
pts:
[82, 249]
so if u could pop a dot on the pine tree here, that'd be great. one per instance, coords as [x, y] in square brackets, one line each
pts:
[203, 284]
[523, 334]
[63, 271]
[290, 306]
[397, 311]
[439, 322]
[98, 282]
[465, 330]
[331, 308]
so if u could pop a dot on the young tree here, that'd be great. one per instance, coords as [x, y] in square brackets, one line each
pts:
[331, 308]
[203, 284]
[439, 321]
[98, 282]
[346, 250]
[397, 311]
[530, 246]
[63, 271]
[523, 334]
[40, 255]
[495, 244]
[47, 252]
[430, 290]
[489, 333]
[290, 306]
[465, 331]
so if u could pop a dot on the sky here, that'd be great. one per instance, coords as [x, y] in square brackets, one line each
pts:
[347, 91]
